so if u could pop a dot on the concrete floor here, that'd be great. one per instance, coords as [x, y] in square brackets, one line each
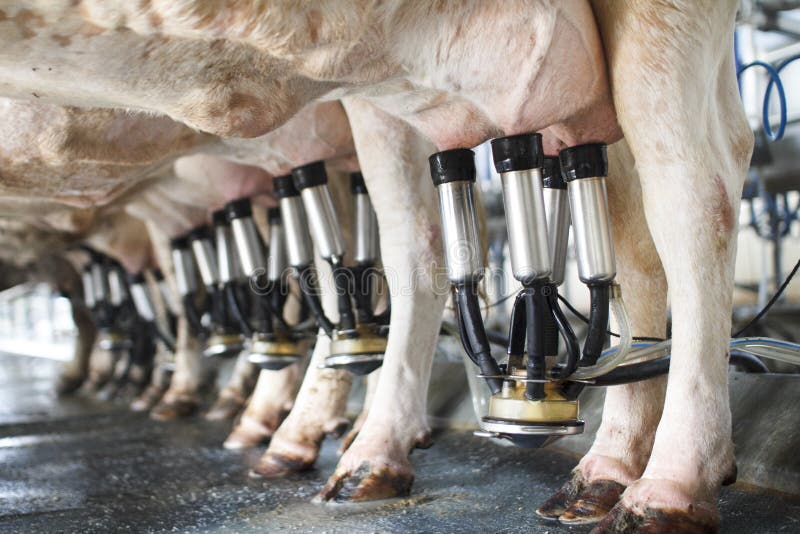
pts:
[77, 465]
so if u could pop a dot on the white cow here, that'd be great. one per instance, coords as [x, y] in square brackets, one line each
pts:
[462, 72]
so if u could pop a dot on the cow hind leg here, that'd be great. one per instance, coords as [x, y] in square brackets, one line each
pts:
[233, 397]
[631, 412]
[372, 385]
[393, 160]
[318, 411]
[182, 398]
[271, 401]
[678, 104]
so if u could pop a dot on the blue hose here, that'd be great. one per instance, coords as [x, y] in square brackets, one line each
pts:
[775, 79]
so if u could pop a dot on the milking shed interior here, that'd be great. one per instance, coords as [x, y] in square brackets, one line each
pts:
[203, 333]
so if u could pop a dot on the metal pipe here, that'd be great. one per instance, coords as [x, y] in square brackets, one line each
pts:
[99, 281]
[298, 241]
[185, 274]
[141, 298]
[453, 173]
[117, 288]
[277, 262]
[205, 256]
[312, 182]
[227, 261]
[556, 207]
[584, 169]
[249, 247]
[518, 160]
[88, 287]
[366, 223]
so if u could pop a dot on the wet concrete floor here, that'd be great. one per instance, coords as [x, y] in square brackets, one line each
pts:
[78, 465]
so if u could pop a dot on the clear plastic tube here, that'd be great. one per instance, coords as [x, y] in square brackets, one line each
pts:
[763, 347]
[617, 354]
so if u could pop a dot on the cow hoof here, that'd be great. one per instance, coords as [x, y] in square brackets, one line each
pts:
[622, 519]
[167, 410]
[248, 433]
[560, 501]
[593, 502]
[369, 482]
[274, 465]
[68, 384]
[148, 399]
[226, 408]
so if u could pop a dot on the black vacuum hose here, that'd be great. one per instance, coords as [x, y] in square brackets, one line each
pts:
[567, 334]
[342, 281]
[193, 316]
[166, 339]
[474, 335]
[515, 343]
[535, 306]
[598, 323]
[362, 294]
[311, 295]
[625, 374]
[236, 309]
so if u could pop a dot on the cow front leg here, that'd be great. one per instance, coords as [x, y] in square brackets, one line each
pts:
[394, 162]
[692, 147]
[631, 412]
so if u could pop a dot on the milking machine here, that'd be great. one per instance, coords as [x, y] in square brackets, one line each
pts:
[273, 343]
[213, 259]
[112, 302]
[152, 325]
[143, 302]
[206, 311]
[105, 293]
[535, 394]
[358, 341]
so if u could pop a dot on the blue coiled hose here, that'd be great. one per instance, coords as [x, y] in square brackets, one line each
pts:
[775, 81]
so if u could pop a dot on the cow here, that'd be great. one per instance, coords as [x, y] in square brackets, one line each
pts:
[461, 73]
[172, 206]
[23, 263]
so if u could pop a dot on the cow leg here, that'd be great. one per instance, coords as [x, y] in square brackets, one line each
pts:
[393, 160]
[631, 412]
[101, 369]
[117, 379]
[320, 405]
[372, 385]
[318, 411]
[678, 104]
[159, 382]
[183, 395]
[272, 399]
[234, 395]
[76, 371]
